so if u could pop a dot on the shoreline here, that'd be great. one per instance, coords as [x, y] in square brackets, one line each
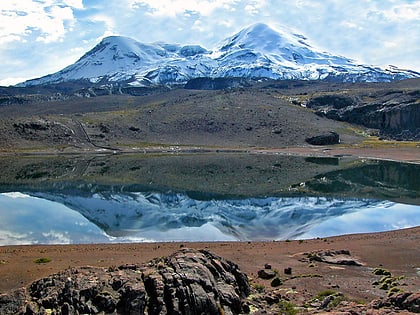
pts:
[404, 154]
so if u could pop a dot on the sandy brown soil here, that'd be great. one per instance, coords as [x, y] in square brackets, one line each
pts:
[396, 251]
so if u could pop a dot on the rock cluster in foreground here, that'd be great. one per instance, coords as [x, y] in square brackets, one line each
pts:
[186, 282]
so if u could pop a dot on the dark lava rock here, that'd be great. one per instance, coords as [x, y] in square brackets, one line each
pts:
[332, 101]
[266, 274]
[216, 83]
[324, 139]
[276, 282]
[406, 301]
[337, 257]
[187, 282]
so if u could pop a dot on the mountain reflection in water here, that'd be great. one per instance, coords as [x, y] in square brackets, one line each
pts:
[136, 217]
[214, 197]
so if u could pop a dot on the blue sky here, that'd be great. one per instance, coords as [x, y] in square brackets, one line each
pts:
[38, 37]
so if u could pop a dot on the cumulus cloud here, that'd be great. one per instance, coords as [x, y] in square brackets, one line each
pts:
[15, 238]
[39, 37]
[48, 20]
[54, 237]
[173, 8]
[398, 12]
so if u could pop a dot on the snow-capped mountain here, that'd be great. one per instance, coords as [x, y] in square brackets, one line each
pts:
[255, 52]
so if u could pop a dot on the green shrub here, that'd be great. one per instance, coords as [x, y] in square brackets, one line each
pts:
[42, 260]
[259, 287]
[325, 293]
[288, 308]
[394, 290]
[381, 272]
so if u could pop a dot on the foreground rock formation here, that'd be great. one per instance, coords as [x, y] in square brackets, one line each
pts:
[191, 282]
[187, 282]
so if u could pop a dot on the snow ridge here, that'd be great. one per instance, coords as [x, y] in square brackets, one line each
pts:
[255, 52]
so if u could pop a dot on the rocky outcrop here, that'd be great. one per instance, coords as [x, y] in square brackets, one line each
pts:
[187, 282]
[396, 113]
[409, 301]
[337, 257]
[216, 83]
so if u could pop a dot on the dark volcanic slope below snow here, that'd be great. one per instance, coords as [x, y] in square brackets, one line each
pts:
[261, 115]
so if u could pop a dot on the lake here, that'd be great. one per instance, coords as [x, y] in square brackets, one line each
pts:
[201, 197]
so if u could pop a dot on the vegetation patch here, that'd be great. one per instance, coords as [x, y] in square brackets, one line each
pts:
[388, 281]
[259, 287]
[42, 260]
[376, 142]
[288, 308]
[329, 298]
[306, 276]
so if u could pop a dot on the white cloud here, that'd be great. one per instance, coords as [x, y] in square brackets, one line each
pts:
[77, 4]
[15, 195]
[254, 7]
[49, 19]
[173, 8]
[198, 26]
[54, 237]
[39, 37]
[107, 20]
[15, 238]
[401, 12]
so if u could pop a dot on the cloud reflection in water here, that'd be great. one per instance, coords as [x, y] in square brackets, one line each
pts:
[137, 217]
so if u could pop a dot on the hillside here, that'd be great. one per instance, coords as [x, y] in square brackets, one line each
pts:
[259, 116]
[271, 114]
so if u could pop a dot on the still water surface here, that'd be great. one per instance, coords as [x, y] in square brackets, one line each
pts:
[202, 198]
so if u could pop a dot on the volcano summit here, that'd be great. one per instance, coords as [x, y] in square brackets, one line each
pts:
[255, 52]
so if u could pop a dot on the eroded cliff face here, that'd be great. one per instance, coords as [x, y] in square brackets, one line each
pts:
[402, 121]
[396, 113]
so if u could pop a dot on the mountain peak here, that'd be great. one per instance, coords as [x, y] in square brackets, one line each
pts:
[257, 51]
[258, 28]
[262, 37]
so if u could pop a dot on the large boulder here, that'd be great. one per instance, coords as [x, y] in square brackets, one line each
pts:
[324, 139]
[187, 282]
[407, 301]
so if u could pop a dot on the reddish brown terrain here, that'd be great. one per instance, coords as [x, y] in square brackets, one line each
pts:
[308, 277]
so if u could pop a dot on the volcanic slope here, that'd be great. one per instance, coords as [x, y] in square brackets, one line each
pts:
[258, 116]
